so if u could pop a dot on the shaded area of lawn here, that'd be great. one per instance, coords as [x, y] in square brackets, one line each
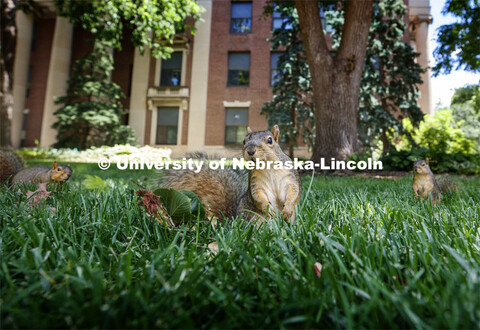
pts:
[96, 260]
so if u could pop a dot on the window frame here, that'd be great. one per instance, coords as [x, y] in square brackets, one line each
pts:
[281, 18]
[244, 126]
[272, 69]
[241, 18]
[180, 72]
[177, 109]
[229, 84]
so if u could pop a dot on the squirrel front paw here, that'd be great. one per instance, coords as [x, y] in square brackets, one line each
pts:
[287, 212]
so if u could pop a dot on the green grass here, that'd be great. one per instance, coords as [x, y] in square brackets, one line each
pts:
[388, 260]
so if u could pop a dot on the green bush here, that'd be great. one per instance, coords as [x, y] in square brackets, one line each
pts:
[440, 161]
[440, 138]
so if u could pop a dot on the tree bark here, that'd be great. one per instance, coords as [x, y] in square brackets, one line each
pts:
[7, 57]
[291, 142]
[336, 78]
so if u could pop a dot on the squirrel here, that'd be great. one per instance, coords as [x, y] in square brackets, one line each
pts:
[10, 164]
[424, 182]
[12, 168]
[226, 193]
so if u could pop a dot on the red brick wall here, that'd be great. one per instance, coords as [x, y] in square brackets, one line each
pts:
[82, 44]
[39, 63]
[123, 62]
[259, 90]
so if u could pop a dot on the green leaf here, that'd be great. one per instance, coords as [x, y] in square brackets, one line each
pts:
[93, 182]
[181, 205]
[196, 205]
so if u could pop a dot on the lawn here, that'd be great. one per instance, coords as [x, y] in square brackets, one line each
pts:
[88, 258]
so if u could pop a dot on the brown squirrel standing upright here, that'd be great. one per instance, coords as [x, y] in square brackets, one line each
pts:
[424, 182]
[225, 192]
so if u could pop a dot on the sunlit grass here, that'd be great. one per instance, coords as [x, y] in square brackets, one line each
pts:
[96, 260]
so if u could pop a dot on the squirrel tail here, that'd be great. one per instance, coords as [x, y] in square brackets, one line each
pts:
[447, 185]
[220, 190]
[10, 164]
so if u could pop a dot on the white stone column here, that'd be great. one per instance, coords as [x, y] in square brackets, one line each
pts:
[138, 97]
[58, 73]
[199, 83]
[20, 73]
[421, 40]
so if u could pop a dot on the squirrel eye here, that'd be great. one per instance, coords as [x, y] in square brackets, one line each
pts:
[423, 164]
[269, 141]
[59, 169]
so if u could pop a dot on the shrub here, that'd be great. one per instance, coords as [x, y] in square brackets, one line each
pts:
[440, 138]
[94, 154]
[440, 161]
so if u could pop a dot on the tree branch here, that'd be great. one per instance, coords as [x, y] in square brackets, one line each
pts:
[358, 18]
[311, 27]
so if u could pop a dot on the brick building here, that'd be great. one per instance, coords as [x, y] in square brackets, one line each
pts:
[202, 98]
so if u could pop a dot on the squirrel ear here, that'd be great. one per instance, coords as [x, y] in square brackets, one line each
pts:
[276, 132]
[249, 130]
[426, 160]
[55, 165]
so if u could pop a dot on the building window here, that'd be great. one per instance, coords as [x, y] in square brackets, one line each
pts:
[238, 69]
[236, 125]
[171, 73]
[241, 19]
[274, 76]
[279, 20]
[167, 125]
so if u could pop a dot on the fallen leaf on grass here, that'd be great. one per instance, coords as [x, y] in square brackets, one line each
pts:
[38, 195]
[318, 269]
[154, 207]
[213, 247]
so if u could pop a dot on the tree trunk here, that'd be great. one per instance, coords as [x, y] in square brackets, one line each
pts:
[291, 142]
[336, 78]
[7, 57]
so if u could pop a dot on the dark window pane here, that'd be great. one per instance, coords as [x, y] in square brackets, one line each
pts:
[274, 60]
[239, 61]
[280, 20]
[238, 69]
[167, 125]
[170, 78]
[174, 62]
[241, 10]
[238, 78]
[236, 125]
[237, 116]
[241, 19]
[274, 77]
[171, 70]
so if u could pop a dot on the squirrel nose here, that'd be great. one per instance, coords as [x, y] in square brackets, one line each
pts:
[251, 152]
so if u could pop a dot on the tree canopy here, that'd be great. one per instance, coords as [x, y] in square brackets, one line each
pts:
[388, 89]
[153, 23]
[459, 42]
[91, 110]
[291, 107]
